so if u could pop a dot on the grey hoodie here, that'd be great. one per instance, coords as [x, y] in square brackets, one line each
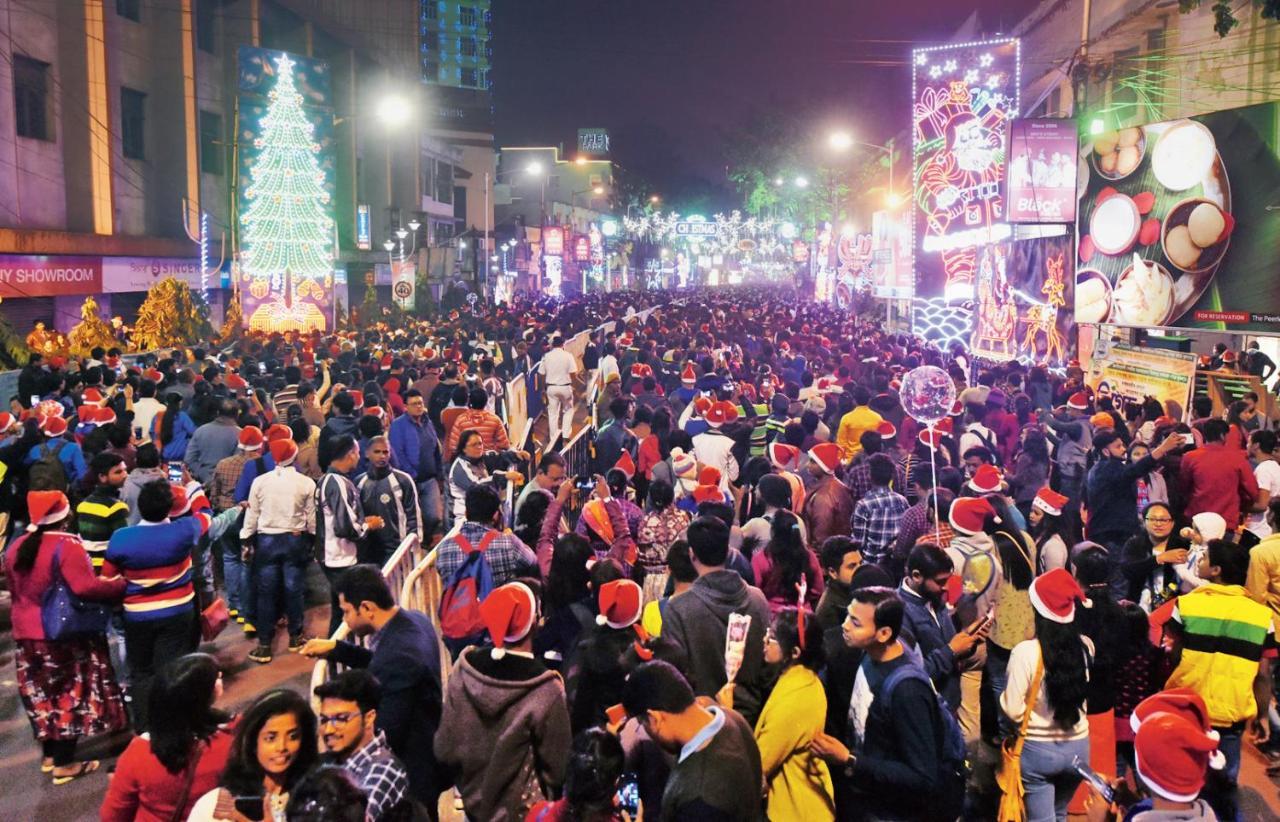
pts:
[697, 623]
[505, 725]
[133, 483]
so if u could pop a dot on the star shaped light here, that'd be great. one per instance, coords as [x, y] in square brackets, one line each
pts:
[950, 66]
[993, 82]
[971, 76]
[935, 72]
[986, 60]
[922, 59]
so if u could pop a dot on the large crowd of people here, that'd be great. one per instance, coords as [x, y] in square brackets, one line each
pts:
[766, 591]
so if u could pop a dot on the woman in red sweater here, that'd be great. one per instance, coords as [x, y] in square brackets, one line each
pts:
[183, 756]
[67, 685]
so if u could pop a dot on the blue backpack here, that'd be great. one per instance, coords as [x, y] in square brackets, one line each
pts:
[953, 754]
[466, 589]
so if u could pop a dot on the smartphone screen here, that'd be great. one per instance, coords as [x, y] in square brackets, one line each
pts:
[175, 473]
[35, 400]
[628, 796]
[1189, 439]
[1100, 785]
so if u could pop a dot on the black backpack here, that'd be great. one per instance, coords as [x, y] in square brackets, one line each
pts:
[48, 472]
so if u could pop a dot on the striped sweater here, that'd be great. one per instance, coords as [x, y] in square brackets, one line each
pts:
[100, 515]
[155, 561]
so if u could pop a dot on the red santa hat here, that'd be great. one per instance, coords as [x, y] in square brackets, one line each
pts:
[153, 375]
[620, 603]
[826, 455]
[946, 425]
[53, 426]
[969, 513]
[709, 475]
[721, 412]
[358, 398]
[283, 451]
[278, 431]
[626, 464]
[1054, 595]
[1078, 401]
[640, 370]
[701, 406]
[1172, 756]
[782, 456]
[986, 480]
[707, 493]
[886, 430]
[933, 438]
[235, 382]
[1183, 702]
[1049, 502]
[181, 500]
[104, 415]
[46, 508]
[92, 396]
[6, 421]
[688, 376]
[250, 438]
[509, 612]
[375, 411]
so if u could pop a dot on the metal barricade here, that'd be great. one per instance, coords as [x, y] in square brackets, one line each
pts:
[577, 455]
[396, 571]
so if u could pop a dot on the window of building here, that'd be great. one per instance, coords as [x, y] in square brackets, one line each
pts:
[206, 18]
[444, 183]
[211, 147]
[488, 49]
[129, 9]
[429, 11]
[31, 98]
[133, 123]
[430, 71]
[428, 181]
[467, 45]
[467, 16]
[468, 78]
[488, 18]
[484, 79]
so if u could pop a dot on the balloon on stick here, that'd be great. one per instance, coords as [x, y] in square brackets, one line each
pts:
[927, 395]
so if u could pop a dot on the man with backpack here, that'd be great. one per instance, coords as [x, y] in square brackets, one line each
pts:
[57, 463]
[905, 759]
[473, 559]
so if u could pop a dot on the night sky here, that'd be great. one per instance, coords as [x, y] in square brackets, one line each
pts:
[673, 79]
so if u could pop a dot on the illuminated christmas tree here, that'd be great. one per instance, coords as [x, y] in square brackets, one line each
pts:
[171, 315]
[287, 243]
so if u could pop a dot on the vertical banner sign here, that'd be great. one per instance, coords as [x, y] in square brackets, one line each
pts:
[285, 182]
[1042, 171]
[891, 253]
[364, 232]
[962, 99]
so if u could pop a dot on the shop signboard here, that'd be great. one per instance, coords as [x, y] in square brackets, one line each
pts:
[1042, 171]
[891, 250]
[23, 275]
[1134, 373]
[593, 142]
[140, 273]
[364, 231]
[1179, 225]
[553, 241]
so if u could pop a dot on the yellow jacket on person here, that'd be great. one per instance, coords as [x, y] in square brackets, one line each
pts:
[798, 784]
[852, 426]
[1263, 583]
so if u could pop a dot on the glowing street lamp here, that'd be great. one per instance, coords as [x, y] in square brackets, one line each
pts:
[840, 141]
[802, 182]
[393, 110]
[533, 169]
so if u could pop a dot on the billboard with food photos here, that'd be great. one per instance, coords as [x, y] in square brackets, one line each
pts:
[1179, 223]
[1042, 171]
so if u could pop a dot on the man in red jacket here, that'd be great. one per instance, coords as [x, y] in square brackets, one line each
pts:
[1217, 478]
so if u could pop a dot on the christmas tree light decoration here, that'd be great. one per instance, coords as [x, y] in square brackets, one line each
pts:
[287, 242]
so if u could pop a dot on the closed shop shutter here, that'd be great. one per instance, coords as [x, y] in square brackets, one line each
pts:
[23, 313]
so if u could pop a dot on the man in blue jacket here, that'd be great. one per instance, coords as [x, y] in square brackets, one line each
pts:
[415, 449]
[926, 621]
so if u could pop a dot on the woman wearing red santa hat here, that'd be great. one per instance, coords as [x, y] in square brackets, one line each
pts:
[66, 682]
[1048, 680]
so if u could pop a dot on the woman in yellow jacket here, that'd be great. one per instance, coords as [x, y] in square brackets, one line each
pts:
[797, 783]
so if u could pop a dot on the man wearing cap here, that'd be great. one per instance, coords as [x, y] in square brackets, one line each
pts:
[828, 505]
[226, 476]
[213, 441]
[714, 447]
[279, 524]
[505, 724]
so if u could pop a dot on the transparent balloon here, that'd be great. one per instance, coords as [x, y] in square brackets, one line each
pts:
[928, 394]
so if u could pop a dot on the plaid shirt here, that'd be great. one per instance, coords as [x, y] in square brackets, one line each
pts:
[914, 524]
[380, 775]
[858, 479]
[225, 476]
[876, 518]
[508, 557]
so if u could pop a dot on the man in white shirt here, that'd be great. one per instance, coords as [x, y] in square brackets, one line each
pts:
[1262, 446]
[145, 409]
[278, 523]
[560, 368]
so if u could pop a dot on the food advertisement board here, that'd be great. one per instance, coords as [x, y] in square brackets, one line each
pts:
[962, 98]
[1178, 223]
[1042, 171]
[1134, 373]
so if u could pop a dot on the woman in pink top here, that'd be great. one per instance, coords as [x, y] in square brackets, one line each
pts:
[67, 685]
[780, 566]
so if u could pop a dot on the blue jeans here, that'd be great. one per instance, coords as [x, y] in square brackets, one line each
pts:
[280, 558]
[233, 575]
[429, 508]
[1220, 786]
[995, 678]
[1049, 777]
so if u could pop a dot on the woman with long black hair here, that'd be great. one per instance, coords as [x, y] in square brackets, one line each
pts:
[1015, 558]
[784, 563]
[161, 774]
[173, 428]
[1047, 695]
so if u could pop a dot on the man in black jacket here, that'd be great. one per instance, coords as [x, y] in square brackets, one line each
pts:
[406, 661]
[892, 768]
